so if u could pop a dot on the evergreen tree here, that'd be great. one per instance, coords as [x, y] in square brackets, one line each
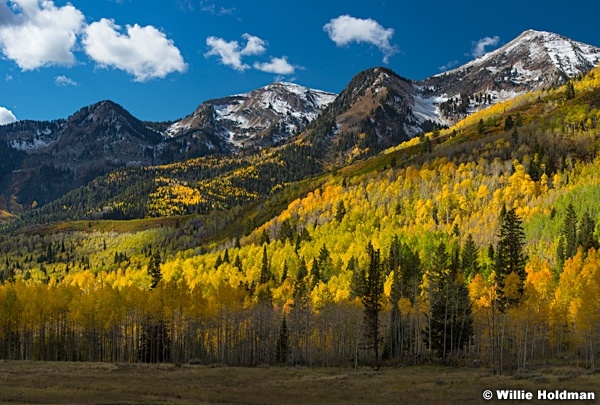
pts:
[282, 349]
[226, 256]
[518, 120]
[325, 263]
[219, 261]
[509, 257]
[406, 268]
[237, 263]
[455, 230]
[372, 298]
[508, 123]
[570, 91]
[585, 237]
[264, 238]
[394, 347]
[491, 252]
[451, 320]
[437, 293]
[469, 258]
[393, 261]
[287, 231]
[569, 232]
[265, 269]
[357, 284]
[315, 274]
[515, 137]
[480, 126]
[427, 146]
[340, 211]
[154, 270]
[300, 283]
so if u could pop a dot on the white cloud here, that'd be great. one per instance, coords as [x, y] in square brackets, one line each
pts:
[479, 46]
[211, 7]
[64, 81]
[8, 78]
[279, 66]
[143, 52]
[6, 116]
[36, 33]
[254, 45]
[230, 52]
[346, 29]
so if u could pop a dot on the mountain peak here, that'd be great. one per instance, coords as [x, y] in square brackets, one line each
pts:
[261, 117]
[533, 33]
[105, 112]
[532, 61]
[536, 48]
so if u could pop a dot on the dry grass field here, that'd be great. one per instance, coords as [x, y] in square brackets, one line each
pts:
[95, 383]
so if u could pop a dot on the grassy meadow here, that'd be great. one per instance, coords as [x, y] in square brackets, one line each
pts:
[105, 383]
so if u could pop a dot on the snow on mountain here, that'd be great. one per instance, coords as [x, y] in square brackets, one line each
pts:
[376, 100]
[261, 117]
[379, 103]
[534, 47]
[532, 61]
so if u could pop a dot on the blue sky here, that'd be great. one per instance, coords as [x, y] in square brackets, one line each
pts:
[161, 58]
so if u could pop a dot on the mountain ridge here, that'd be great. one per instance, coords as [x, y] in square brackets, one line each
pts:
[275, 111]
[377, 109]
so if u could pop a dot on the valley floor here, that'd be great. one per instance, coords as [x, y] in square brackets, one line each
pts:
[102, 383]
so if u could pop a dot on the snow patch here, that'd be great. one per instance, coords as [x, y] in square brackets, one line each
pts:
[426, 109]
[30, 145]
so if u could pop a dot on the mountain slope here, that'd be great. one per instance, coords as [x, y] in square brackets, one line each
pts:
[379, 108]
[57, 156]
[103, 134]
[533, 61]
[376, 110]
[260, 118]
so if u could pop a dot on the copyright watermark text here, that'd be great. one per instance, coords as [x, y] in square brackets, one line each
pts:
[544, 395]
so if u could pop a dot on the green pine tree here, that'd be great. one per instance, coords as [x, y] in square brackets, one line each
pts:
[372, 298]
[340, 211]
[586, 237]
[265, 269]
[282, 348]
[154, 270]
[469, 258]
[510, 257]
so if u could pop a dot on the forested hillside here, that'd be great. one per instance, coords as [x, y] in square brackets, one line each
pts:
[473, 243]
